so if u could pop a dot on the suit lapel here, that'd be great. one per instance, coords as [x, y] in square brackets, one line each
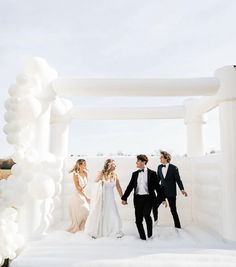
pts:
[148, 177]
[160, 170]
[168, 170]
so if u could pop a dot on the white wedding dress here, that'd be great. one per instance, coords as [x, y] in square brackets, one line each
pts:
[104, 219]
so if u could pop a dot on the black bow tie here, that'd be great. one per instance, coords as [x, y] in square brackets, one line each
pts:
[142, 170]
[163, 165]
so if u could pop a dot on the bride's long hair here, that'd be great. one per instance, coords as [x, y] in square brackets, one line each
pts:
[107, 169]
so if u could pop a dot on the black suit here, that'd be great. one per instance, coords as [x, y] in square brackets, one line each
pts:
[168, 184]
[143, 203]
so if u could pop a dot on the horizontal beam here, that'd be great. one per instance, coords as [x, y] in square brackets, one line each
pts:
[124, 113]
[135, 87]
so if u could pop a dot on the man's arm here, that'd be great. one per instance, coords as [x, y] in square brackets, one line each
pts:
[129, 189]
[179, 182]
[157, 187]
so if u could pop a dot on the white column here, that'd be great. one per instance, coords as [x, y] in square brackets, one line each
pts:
[59, 135]
[60, 121]
[194, 123]
[195, 145]
[59, 138]
[227, 117]
[42, 131]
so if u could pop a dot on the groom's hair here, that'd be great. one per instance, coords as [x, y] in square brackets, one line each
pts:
[143, 158]
[166, 155]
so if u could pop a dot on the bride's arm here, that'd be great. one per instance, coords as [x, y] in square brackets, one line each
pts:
[99, 177]
[118, 187]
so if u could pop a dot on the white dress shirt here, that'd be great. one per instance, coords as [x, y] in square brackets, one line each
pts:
[165, 169]
[142, 185]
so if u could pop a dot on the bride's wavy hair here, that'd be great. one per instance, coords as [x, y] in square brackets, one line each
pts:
[78, 163]
[107, 167]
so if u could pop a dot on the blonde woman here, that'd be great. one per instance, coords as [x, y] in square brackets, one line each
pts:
[79, 204]
[104, 219]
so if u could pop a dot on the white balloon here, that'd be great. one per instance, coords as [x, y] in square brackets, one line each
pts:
[13, 139]
[19, 240]
[29, 84]
[12, 255]
[31, 155]
[24, 79]
[9, 213]
[18, 156]
[26, 135]
[10, 116]
[52, 162]
[29, 108]
[57, 108]
[60, 106]
[26, 90]
[12, 90]
[11, 227]
[26, 176]
[39, 66]
[8, 104]
[50, 158]
[7, 128]
[22, 138]
[56, 174]
[15, 126]
[16, 169]
[16, 90]
[11, 103]
[41, 187]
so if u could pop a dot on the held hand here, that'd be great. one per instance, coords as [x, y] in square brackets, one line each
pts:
[164, 203]
[124, 202]
[184, 193]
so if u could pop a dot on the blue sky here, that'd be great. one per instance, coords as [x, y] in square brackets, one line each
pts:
[132, 38]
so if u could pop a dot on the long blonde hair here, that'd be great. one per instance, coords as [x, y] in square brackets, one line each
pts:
[78, 163]
[107, 167]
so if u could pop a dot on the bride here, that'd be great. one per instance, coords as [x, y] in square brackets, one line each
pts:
[104, 219]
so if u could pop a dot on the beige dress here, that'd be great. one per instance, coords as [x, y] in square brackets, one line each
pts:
[78, 208]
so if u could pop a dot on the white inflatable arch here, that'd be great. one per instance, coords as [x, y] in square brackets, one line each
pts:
[38, 117]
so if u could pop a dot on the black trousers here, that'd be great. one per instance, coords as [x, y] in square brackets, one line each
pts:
[172, 204]
[143, 206]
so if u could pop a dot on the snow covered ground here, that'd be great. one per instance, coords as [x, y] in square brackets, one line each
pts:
[190, 246]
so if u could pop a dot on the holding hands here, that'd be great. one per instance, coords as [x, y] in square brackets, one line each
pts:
[164, 203]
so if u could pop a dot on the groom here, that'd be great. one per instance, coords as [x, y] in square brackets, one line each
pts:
[144, 182]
